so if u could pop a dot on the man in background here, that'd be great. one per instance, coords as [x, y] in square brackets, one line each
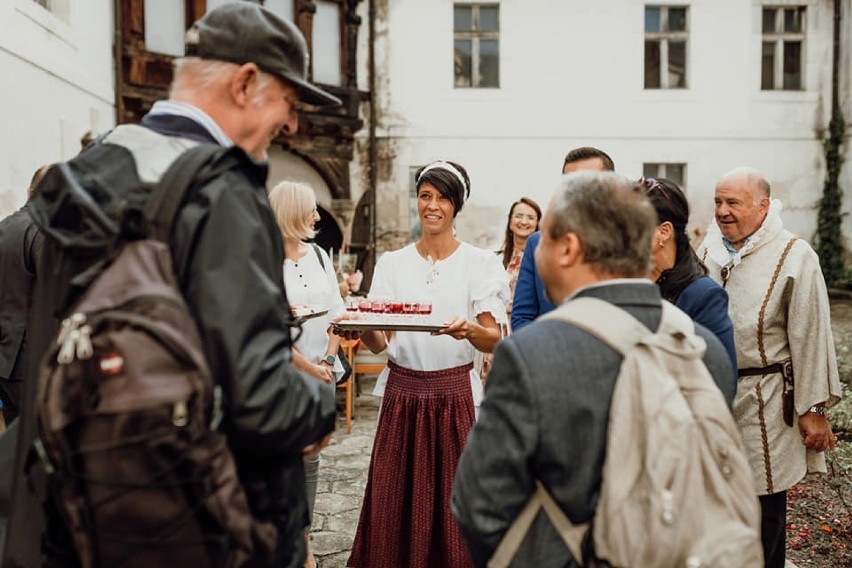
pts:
[529, 300]
[20, 246]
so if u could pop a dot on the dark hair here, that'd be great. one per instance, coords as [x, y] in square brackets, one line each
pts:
[508, 248]
[446, 182]
[671, 205]
[587, 153]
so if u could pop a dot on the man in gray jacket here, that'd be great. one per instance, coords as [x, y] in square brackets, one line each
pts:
[546, 406]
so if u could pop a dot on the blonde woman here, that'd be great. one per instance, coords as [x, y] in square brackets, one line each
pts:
[309, 279]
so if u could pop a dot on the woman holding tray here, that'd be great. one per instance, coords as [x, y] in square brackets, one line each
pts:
[309, 280]
[429, 387]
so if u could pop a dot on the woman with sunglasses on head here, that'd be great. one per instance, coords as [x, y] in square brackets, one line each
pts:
[429, 387]
[309, 280]
[678, 271]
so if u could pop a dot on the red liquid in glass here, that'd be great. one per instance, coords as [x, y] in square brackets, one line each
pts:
[424, 309]
[396, 307]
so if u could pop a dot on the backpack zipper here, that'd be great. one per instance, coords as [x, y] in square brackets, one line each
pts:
[75, 340]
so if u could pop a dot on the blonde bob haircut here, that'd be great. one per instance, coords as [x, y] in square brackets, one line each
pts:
[293, 204]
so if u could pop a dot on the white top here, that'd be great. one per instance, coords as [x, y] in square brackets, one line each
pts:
[469, 282]
[306, 282]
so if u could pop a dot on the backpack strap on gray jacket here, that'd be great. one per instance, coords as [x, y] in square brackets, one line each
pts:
[621, 331]
[617, 327]
[167, 196]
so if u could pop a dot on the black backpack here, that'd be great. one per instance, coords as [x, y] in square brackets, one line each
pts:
[128, 413]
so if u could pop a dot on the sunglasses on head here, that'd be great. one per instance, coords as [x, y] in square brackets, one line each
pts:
[651, 184]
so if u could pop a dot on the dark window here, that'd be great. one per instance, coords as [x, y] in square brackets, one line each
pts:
[782, 58]
[666, 36]
[673, 171]
[476, 41]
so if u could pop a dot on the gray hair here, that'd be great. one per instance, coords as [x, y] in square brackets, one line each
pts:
[753, 179]
[194, 74]
[611, 217]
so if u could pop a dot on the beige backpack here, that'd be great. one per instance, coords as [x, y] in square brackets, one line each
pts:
[677, 487]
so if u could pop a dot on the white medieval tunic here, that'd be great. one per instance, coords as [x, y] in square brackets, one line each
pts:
[779, 307]
[469, 282]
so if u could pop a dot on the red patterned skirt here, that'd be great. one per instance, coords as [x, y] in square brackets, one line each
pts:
[423, 426]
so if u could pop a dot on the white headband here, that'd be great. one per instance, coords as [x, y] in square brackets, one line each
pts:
[440, 164]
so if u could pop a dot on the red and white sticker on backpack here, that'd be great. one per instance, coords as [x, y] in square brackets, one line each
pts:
[111, 364]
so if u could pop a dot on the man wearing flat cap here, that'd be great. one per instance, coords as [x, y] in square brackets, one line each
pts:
[244, 72]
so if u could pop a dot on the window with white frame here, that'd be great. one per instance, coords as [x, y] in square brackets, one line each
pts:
[783, 47]
[673, 171]
[476, 54]
[666, 36]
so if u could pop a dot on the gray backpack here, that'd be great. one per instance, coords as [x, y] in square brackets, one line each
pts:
[677, 487]
[128, 413]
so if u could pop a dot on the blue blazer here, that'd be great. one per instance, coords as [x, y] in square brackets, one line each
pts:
[529, 300]
[707, 303]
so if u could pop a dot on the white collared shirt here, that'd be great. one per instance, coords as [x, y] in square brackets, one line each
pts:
[195, 114]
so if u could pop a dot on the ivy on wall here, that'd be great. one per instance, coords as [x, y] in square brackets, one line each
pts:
[829, 235]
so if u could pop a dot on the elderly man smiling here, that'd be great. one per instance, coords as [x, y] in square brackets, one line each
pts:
[785, 350]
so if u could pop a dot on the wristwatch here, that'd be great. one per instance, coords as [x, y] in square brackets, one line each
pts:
[329, 359]
[818, 409]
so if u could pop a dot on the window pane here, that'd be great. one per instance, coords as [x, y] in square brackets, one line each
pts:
[489, 19]
[768, 20]
[650, 171]
[792, 65]
[326, 43]
[283, 8]
[462, 62]
[767, 71]
[677, 19]
[674, 172]
[164, 27]
[652, 19]
[489, 63]
[652, 64]
[462, 19]
[677, 64]
[793, 19]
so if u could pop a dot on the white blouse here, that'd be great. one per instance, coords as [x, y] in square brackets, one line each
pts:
[307, 282]
[469, 282]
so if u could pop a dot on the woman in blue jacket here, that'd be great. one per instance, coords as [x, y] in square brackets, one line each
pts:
[678, 271]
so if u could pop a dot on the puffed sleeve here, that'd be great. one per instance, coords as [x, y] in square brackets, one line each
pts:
[381, 287]
[489, 287]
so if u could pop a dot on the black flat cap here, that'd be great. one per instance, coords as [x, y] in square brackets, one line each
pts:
[243, 32]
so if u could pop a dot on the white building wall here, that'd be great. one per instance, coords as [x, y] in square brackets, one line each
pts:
[57, 74]
[571, 74]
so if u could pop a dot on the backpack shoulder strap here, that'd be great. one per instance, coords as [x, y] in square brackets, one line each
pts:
[319, 255]
[167, 196]
[609, 323]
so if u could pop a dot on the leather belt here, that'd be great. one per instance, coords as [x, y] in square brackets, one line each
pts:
[768, 370]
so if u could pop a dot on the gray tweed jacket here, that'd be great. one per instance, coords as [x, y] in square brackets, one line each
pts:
[544, 417]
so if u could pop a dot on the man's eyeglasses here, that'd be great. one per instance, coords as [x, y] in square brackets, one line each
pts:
[522, 217]
[651, 184]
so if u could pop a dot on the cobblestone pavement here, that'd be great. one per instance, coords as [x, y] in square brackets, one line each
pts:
[342, 479]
